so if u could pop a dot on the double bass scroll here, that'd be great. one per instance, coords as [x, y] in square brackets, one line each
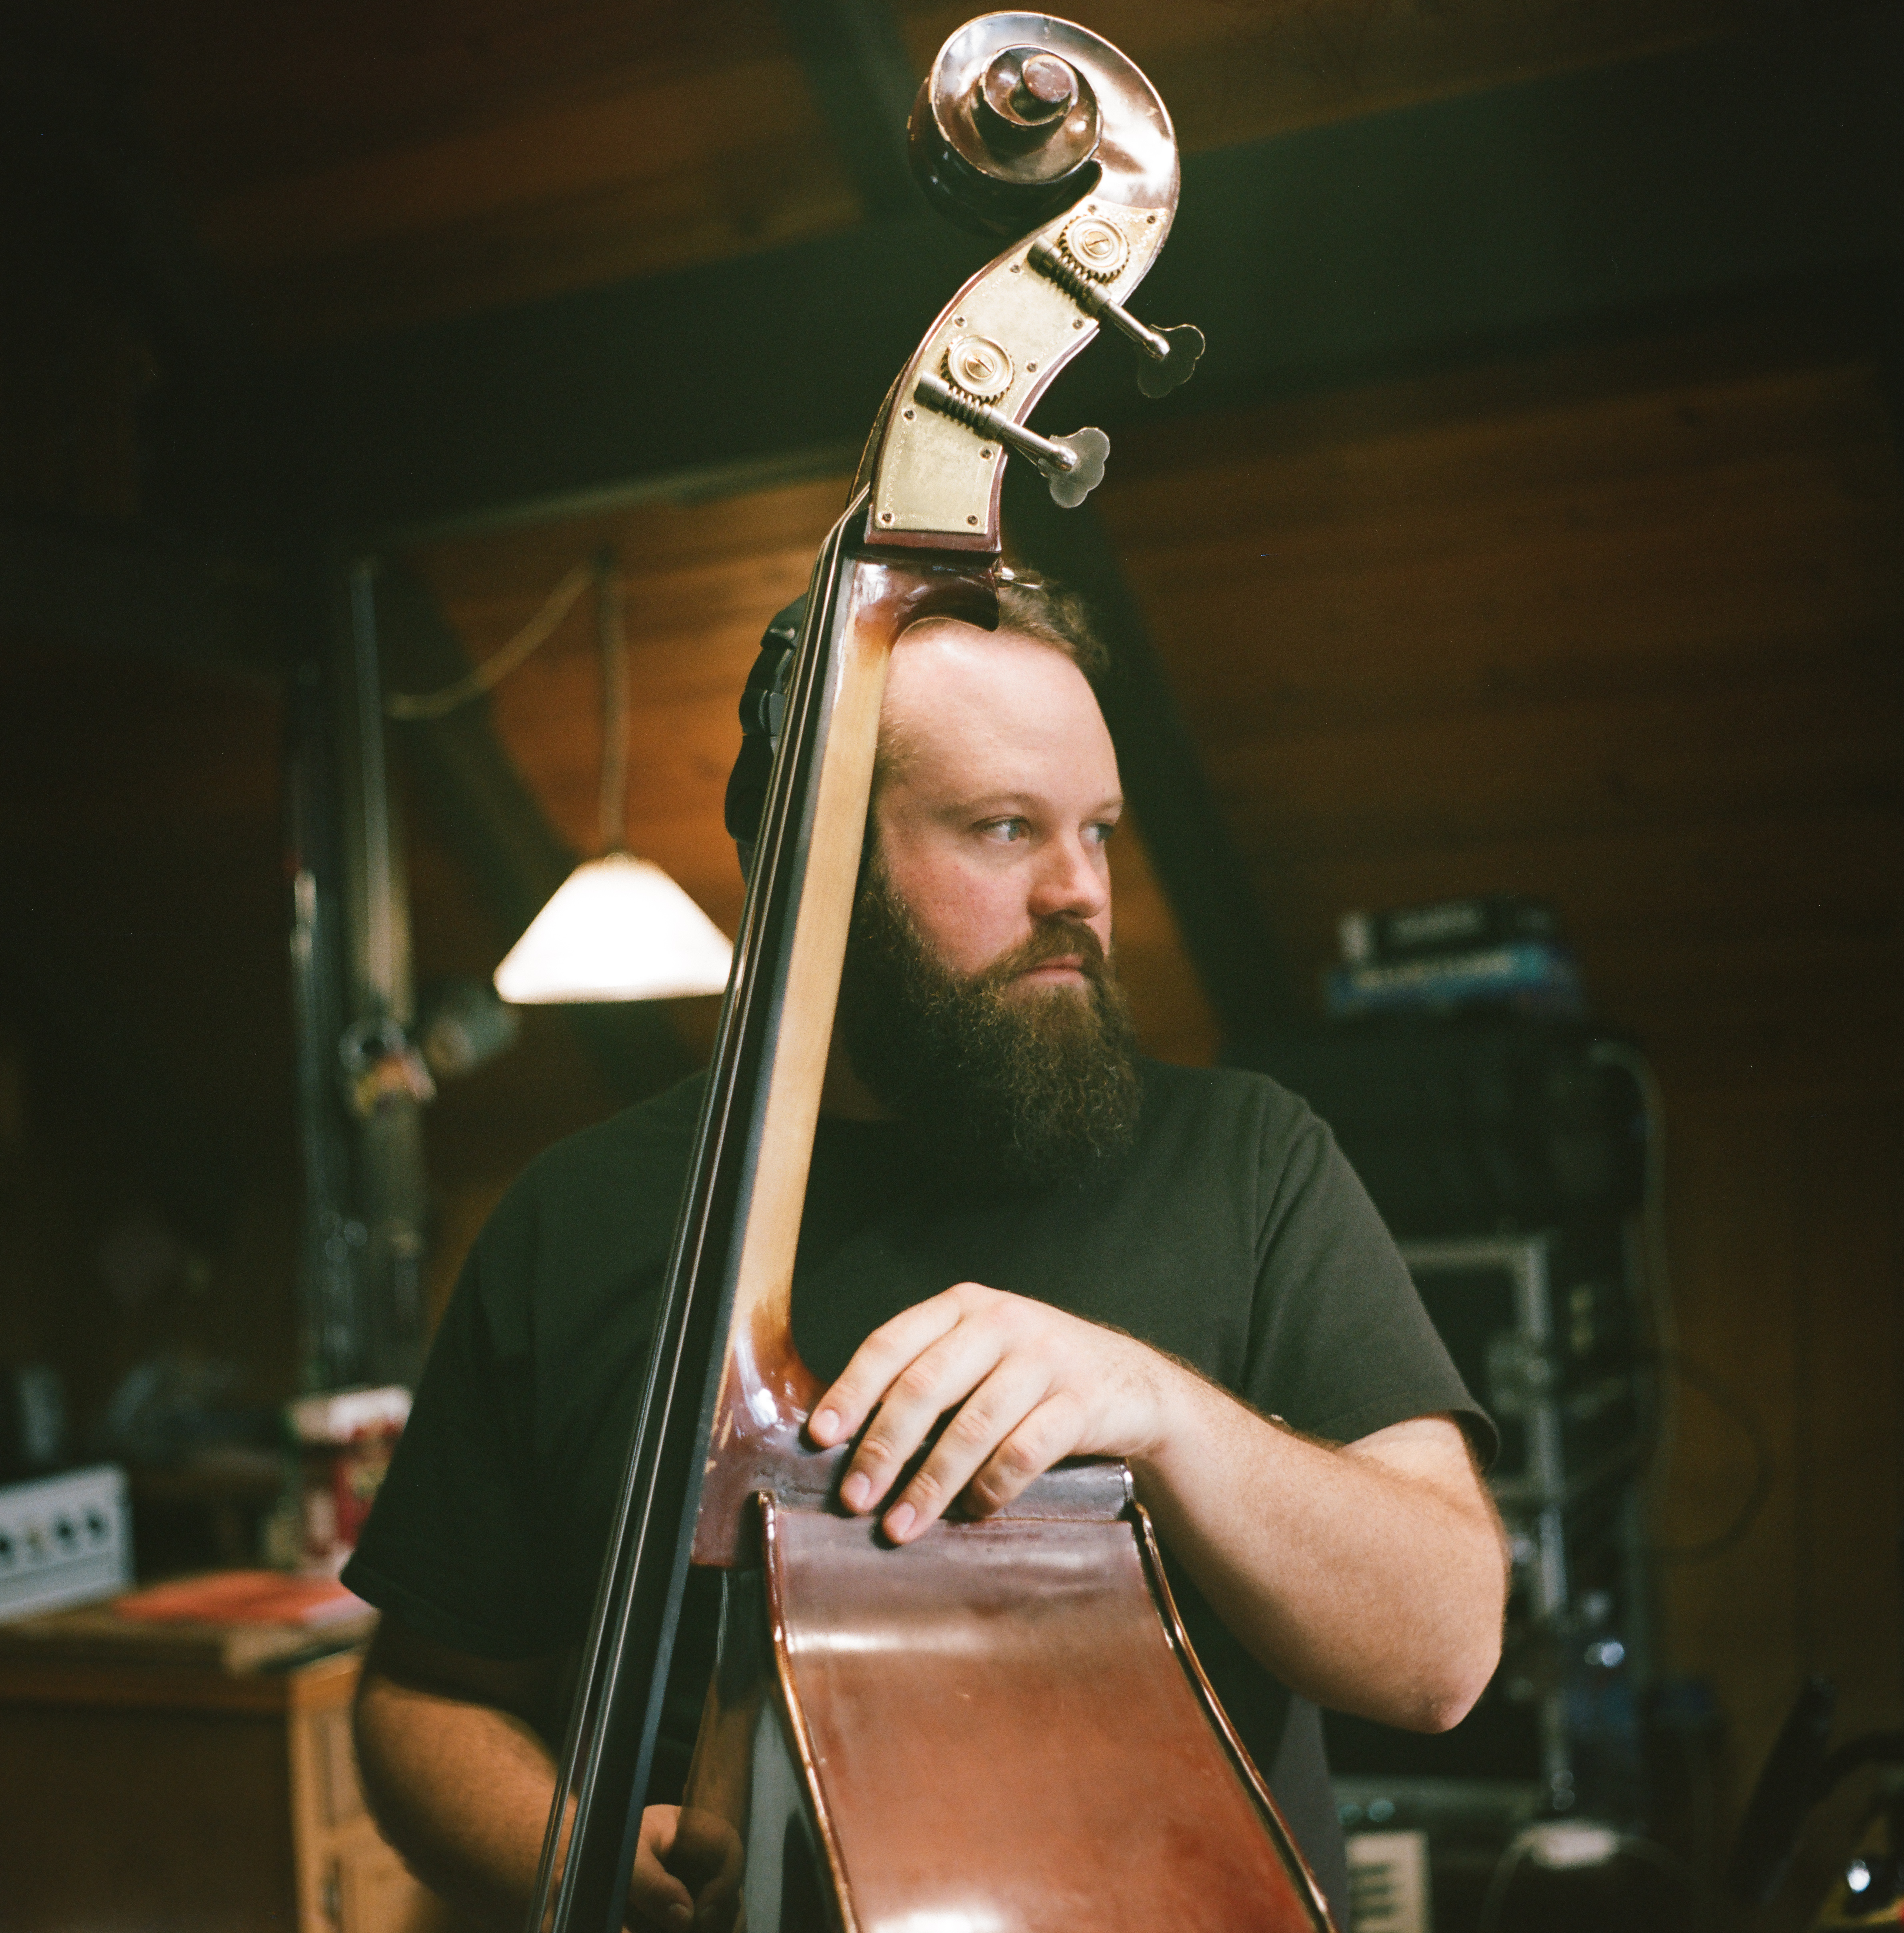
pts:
[1000, 1727]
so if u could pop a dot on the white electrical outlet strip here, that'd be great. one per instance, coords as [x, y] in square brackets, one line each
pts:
[1388, 1882]
[63, 1540]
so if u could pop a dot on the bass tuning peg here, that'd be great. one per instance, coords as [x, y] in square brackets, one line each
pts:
[1171, 354]
[1073, 465]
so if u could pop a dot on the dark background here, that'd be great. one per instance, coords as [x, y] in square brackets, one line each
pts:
[1533, 524]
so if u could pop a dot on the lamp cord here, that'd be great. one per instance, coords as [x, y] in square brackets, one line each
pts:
[486, 676]
[606, 570]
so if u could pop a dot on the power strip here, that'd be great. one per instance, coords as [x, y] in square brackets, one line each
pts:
[63, 1540]
[1388, 1882]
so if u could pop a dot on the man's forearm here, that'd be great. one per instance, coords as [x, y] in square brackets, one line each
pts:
[1363, 1577]
[461, 1790]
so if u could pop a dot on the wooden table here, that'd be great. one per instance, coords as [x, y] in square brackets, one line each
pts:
[138, 1796]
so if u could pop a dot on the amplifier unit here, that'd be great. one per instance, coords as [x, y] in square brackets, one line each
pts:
[63, 1540]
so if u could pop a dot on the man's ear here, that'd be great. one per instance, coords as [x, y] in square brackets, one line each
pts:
[763, 705]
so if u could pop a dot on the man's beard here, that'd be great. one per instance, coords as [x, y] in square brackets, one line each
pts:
[1022, 1090]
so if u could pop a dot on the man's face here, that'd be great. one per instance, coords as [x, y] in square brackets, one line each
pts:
[977, 1004]
[999, 793]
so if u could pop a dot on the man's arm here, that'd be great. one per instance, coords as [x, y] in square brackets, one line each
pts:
[458, 1775]
[455, 1767]
[1371, 1576]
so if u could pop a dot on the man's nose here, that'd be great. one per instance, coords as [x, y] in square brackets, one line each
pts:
[1070, 881]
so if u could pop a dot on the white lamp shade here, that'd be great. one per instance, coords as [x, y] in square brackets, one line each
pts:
[618, 929]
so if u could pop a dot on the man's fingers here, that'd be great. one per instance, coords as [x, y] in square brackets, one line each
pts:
[1010, 1374]
[1015, 1387]
[708, 1855]
[881, 1357]
[934, 1381]
[656, 1898]
[1052, 1431]
[687, 1872]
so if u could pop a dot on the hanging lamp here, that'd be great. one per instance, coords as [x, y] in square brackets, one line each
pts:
[618, 928]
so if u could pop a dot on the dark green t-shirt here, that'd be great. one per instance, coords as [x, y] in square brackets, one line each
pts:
[1235, 1237]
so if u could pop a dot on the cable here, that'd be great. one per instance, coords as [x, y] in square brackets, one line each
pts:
[1527, 1843]
[1764, 1470]
[1663, 1859]
[486, 676]
[1701, 1795]
[1662, 1310]
[1671, 1366]
[610, 636]
[1508, 1864]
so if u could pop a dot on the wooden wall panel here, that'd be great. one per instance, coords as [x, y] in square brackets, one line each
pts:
[700, 582]
[358, 168]
[1231, 72]
[145, 1013]
[1638, 651]
[1169, 1007]
[1630, 641]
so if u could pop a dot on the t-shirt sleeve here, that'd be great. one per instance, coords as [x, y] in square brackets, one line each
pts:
[1340, 1345]
[455, 1544]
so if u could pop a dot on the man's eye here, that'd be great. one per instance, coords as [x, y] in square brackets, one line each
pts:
[1007, 831]
[1100, 833]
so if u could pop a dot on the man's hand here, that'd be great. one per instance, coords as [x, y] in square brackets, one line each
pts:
[687, 1872]
[1369, 1576]
[1030, 1385]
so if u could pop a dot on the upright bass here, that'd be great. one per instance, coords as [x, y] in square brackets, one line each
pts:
[1000, 1727]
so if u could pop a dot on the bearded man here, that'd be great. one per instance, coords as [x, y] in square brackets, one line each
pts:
[1012, 1221]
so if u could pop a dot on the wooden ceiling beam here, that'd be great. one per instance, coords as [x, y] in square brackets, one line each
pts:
[862, 82]
[1556, 208]
[89, 194]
